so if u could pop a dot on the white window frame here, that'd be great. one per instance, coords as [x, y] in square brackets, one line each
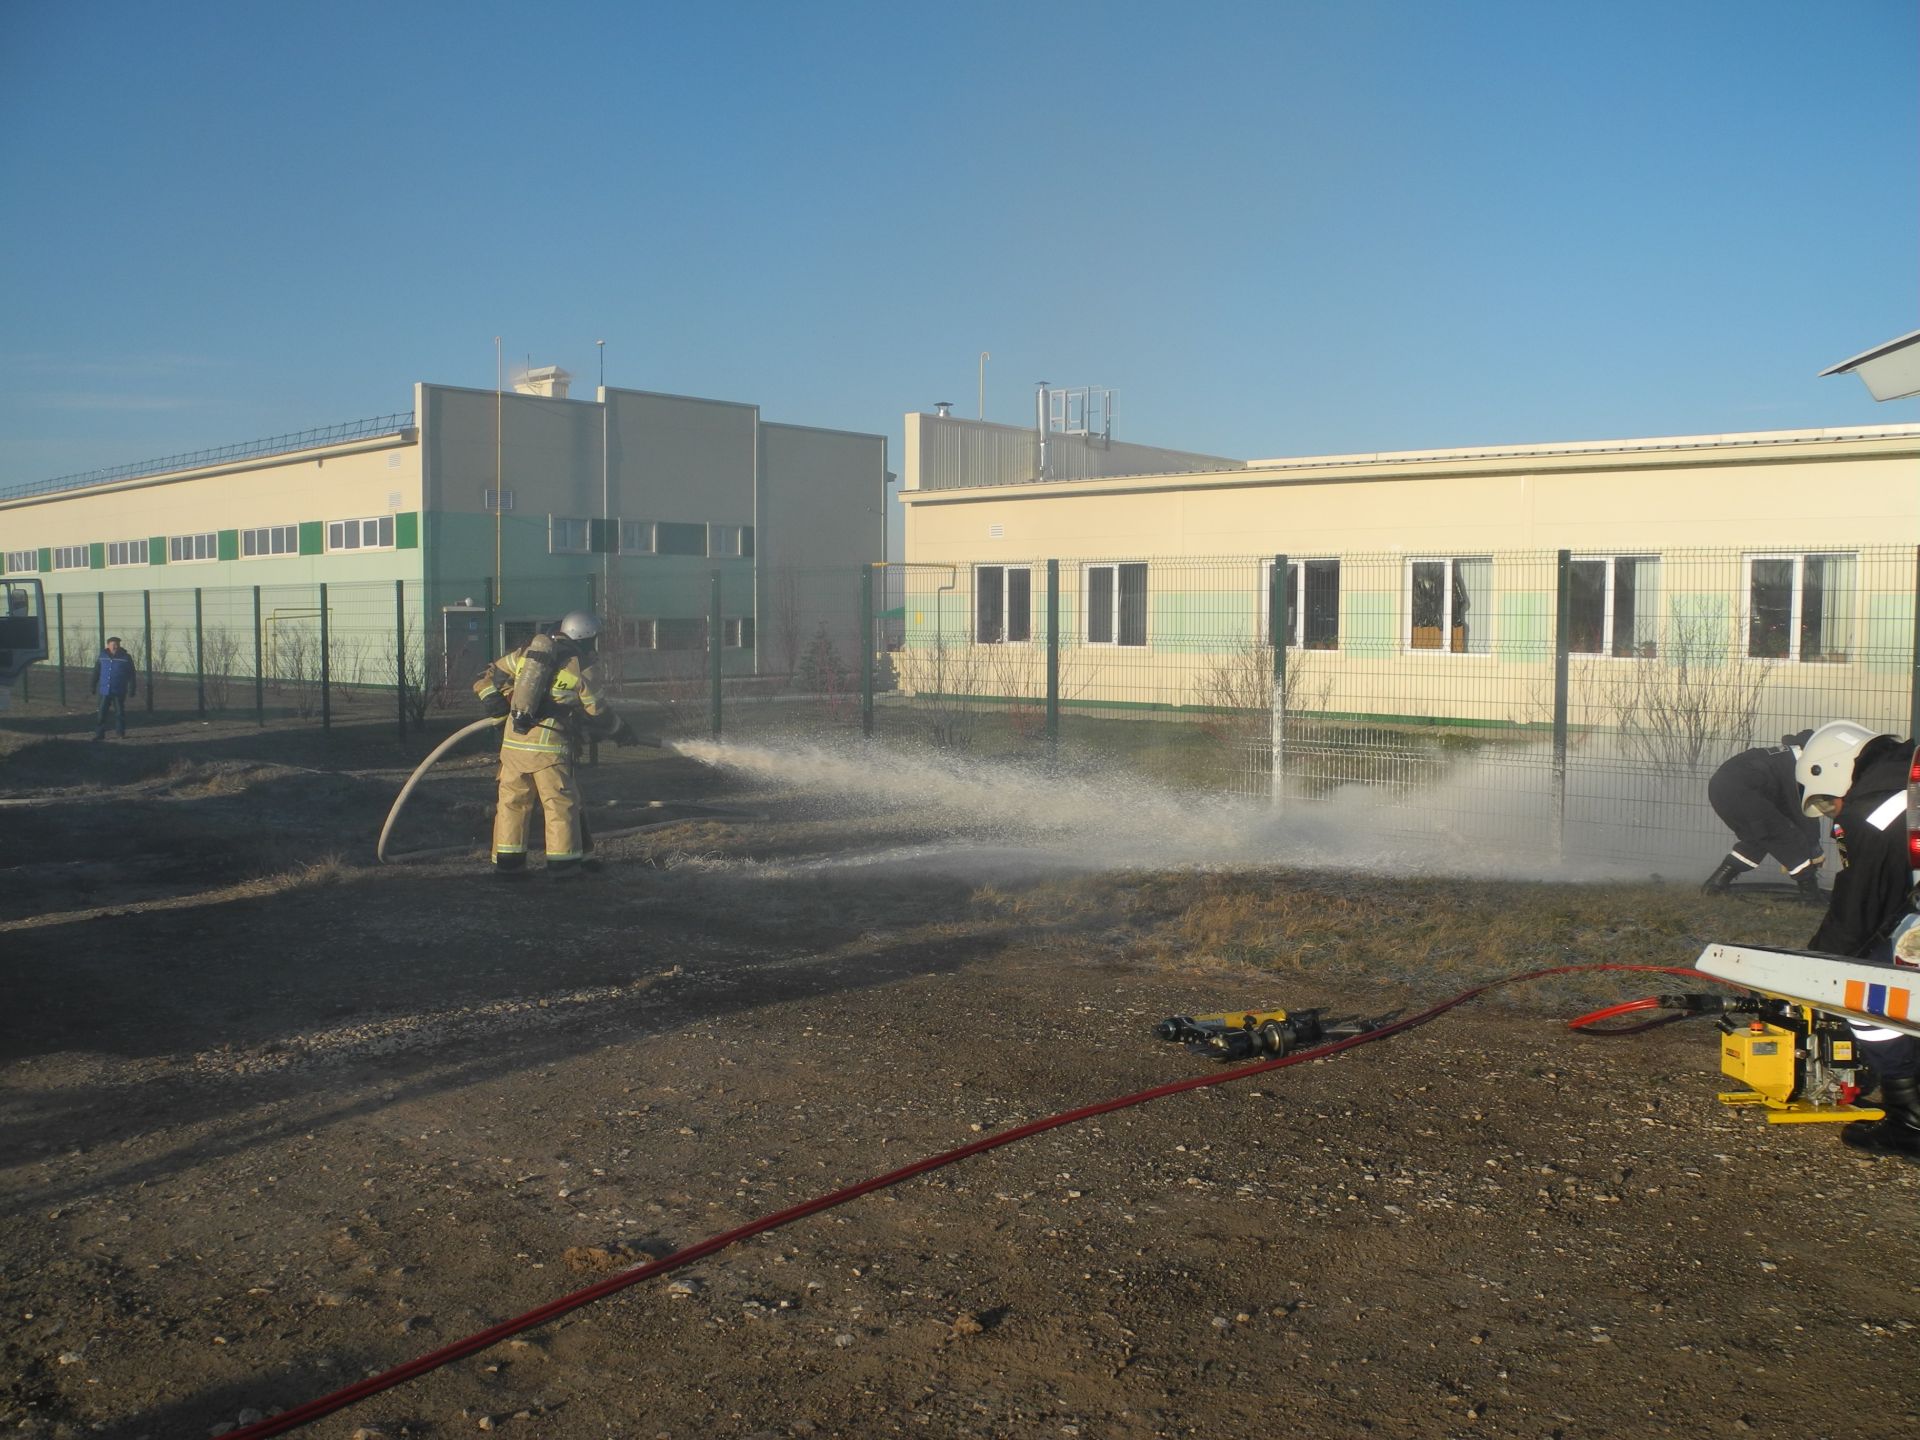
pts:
[195, 549]
[126, 552]
[23, 562]
[731, 632]
[1608, 640]
[727, 542]
[1006, 604]
[569, 535]
[1297, 605]
[638, 632]
[267, 542]
[1090, 576]
[1797, 608]
[382, 533]
[1447, 616]
[71, 557]
[641, 534]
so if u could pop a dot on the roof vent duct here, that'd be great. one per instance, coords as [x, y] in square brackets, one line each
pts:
[548, 380]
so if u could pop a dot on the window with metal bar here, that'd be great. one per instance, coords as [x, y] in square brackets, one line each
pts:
[1801, 607]
[1117, 604]
[1312, 591]
[1449, 604]
[1002, 604]
[1613, 606]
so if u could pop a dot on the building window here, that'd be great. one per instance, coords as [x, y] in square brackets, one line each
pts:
[567, 536]
[1613, 606]
[1313, 603]
[680, 634]
[370, 534]
[126, 552]
[1450, 605]
[672, 538]
[270, 540]
[730, 540]
[22, 562]
[496, 499]
[183, 549]
[737, 634]
[636, 537]
[636, 634]
[1002, 604]
[1800, 607]
[1117, 604]
[69, 557]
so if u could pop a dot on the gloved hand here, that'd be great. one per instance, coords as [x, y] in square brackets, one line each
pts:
[1818, 860]
[494, 706]
[623, 735]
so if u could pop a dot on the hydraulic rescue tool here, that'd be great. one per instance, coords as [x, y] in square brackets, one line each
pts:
[1247, 1034]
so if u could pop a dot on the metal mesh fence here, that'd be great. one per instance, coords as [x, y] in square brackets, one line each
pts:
[1539, 699]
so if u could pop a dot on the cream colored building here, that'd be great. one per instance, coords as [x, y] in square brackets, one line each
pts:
[1423, 584]
[510, 509]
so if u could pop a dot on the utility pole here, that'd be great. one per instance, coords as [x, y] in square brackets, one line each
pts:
[608, 539]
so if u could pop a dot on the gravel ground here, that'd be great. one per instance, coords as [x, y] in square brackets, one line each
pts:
[276, 1118]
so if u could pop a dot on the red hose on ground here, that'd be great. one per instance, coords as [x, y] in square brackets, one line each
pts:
[1649, 1002]
[352, 1394]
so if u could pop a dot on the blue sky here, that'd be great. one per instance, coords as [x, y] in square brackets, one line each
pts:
[1273, 229]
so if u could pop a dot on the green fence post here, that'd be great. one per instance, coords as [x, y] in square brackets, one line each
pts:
[1053, 654]
[60, 645]
[1913, 705]
[593, 608]
[400, 655]
[146, 641]
[866, 651]
[716, 632]
[259, 659]
[1279, 634]
[326, 664]
[1562, 643]
[199, 655]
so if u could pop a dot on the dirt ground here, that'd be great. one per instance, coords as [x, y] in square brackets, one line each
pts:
[276, 1117]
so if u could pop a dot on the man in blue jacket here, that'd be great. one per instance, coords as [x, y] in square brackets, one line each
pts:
[114, 680]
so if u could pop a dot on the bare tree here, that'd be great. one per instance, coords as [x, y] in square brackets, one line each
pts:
[1698, 700]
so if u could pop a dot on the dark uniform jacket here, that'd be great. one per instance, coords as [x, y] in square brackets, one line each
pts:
[1875, 889]
[1756, 794]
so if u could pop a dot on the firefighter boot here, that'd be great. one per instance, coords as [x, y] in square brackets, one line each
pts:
[1898, 1133]
[1809, 882]
[1717, 883]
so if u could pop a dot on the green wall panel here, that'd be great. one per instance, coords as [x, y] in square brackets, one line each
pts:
[313, 537]
[406, 530]
[97, 556]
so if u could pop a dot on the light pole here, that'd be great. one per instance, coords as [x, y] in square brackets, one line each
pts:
[984, 357]
[607, 537]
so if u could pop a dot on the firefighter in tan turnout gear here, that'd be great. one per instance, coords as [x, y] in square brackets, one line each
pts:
[541, 689]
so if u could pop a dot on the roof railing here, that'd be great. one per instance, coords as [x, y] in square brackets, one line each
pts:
[245, 450]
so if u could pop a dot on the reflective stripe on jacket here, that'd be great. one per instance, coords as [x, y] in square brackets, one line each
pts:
[551, 735]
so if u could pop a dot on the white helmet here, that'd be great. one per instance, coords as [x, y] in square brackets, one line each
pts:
[1825, 766]
[581, 625]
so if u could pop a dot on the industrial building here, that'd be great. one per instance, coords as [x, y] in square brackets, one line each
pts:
[1419, 584]
[492, 512]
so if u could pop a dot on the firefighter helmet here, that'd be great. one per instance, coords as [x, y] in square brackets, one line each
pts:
[1825, 766]
[580, 626]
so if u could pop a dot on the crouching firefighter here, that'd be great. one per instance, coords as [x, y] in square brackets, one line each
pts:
[1860, 779]
[541, 690]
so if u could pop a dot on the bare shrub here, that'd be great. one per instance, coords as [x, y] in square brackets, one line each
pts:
[1698, 700]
